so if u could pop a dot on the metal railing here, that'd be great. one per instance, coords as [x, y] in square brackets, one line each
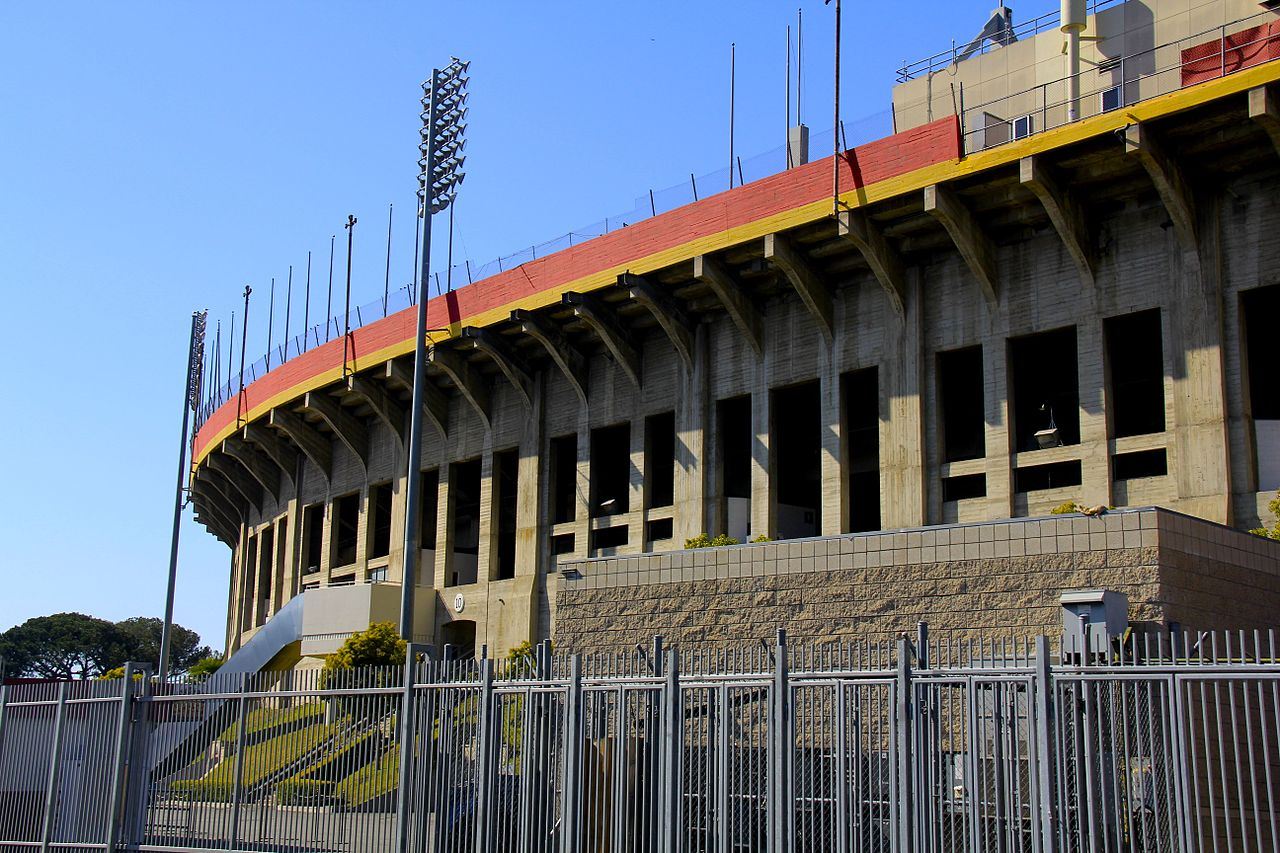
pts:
[1161, 742]
[1027, 29]
[1120, 82]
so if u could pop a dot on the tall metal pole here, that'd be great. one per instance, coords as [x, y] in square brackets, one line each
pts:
[835, 127]
[288, 307]
[733, 49]
[448, 274]
[271, 319]
[346, 320]
[413, 480]
[190, 392]
[244, 331]
[306, 307]
[386, 283]
[328, 305]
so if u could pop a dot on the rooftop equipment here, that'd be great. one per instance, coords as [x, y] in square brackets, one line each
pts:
[998, 30]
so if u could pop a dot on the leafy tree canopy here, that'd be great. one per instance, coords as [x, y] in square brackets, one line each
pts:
[73, 645]
[1272, 532]
[378, 645]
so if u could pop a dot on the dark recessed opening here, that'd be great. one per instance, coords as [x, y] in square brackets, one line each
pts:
[312, 537]
[610, 470]
[1056, 475]
[1046, 391]
[797, 441]
[862, 421]
[960, 395]
[429, 504]
[380, 497]
[609, 537]
[659, 530]
[562, 544]
[564, 476]
[249, 576]
[1135, 363]
[660, 459]
[964, 487]
[1141, 463]
[506, 467]
[1259, 309]
[733, 425]
[464, 493]
[346, 523]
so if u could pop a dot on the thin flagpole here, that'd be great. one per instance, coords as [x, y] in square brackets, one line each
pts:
[306, 307]
[288, 306]
[386, 284]
[328, 309]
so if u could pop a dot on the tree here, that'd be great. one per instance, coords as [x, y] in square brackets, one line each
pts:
[64, 646]
[143, 635]
[1272, 532]
[73, 645]
[378, 645]
[205, 667]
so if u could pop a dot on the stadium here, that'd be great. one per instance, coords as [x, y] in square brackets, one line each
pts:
[880, 373]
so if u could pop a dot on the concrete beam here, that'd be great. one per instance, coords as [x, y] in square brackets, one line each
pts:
[237, 477]
[886, 265]
[470, 383]
[733, 297]
[383, 404]
[435, 403]
[970, 240]
[491, 344]
[237, 506]
[313, 443]
[1065, 212]
[666, 310]
[210, 502]
[257, 464]
[350, 430]
[604, 323]
[1171, 185]
[276, 449]
[1264, 109]
[571, 362]
[813, 293]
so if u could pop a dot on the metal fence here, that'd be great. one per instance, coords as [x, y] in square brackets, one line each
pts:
[1159, 743]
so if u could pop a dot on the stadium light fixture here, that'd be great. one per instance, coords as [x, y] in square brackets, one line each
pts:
[443, 139]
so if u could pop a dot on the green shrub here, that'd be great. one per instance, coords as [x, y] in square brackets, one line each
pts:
[203, 668]
[762, 538]
[1272, 532]
[704, 541]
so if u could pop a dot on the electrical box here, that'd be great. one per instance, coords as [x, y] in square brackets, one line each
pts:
[1105, 616]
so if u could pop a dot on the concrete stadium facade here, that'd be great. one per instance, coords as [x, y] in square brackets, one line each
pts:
[981, 333]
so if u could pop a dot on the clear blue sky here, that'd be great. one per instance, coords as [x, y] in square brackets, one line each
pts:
[155, 158]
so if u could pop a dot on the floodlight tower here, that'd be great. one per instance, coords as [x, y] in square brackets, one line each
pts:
[444, 116]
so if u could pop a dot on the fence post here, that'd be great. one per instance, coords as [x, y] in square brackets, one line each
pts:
[238, 764]
[902, 723]
[781, 808]
[673, 735]
[1184, 782]
[570, 798]
[120, 759]
[1046, 830]
[403, 801]
[484, 757]
[51, 791]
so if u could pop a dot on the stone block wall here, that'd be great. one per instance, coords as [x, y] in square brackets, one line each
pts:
[988, 579]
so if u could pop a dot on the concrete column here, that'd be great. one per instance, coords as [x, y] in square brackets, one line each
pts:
[764, 509]
[529, 470]
[582, 491]
[902, 468]
[487, 558]
[364, 524]
[1199, 459]
[1095, 458]
[833, 454]
[635, 491]
[693, 443]
[444, 527]
[998, 437]
[326, 540]
[235, 601]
